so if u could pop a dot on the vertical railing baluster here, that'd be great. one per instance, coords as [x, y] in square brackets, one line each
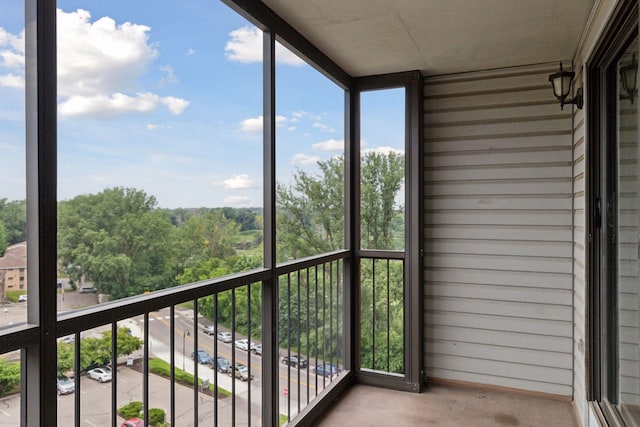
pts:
[331, 321]
[114, 372]
[172, 356]
[338, 334]
[299, 349]
[316, 329]
[76, 379]
[373, 314]
[215, 353]
[233, 356]
[324, 322]
[145, 370]
[249, 355]
[195, 363]
[308, 354]
[388, 315]
[289, 346]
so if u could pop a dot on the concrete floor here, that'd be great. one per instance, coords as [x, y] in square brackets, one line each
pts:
[448, 406]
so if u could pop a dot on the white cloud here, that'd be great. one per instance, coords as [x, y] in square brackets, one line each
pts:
[384, 150]
[330, 145]
[12, 58]
[190, 52]
[11, 80]
[254, 124]
[238, 182]
[301, 113]
[324, 127]
[98, 63]
[245, 46]
[237, 200]
[152, 126]
[170, 77]
[303, 159]
[117, 103]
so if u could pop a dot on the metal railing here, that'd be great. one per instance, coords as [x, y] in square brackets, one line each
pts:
[382, 312]
[170, 325]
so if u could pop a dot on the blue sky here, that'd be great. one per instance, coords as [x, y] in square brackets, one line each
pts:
[167, 97]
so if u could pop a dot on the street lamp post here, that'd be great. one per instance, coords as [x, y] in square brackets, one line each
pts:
[184, 335]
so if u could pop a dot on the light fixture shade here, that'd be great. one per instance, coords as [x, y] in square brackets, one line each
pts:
[629, 77]
[561, 83]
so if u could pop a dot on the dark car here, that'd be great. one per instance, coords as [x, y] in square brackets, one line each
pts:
[326, 370]
[295, 361]
[221, 364]
[203, 357]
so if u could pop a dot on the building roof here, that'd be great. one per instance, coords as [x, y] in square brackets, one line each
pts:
[15, 256]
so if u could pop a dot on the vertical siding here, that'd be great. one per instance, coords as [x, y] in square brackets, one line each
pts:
[498, 231]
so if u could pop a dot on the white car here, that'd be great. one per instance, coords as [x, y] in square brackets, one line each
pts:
[224, 336]
[100, 374]
[245, 345]
[22, 298]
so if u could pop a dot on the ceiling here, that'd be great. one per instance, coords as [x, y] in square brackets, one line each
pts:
[368, 37]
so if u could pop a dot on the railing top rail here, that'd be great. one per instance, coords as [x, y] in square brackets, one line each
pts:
[125, 308]
[381, 254]
[312, 261]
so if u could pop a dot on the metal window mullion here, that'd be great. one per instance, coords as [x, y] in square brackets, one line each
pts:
[373, 314]
[299, 330]
[307, 353]
[270, 404]
[38, 401]
[289, 346]
[78, 392]
[331, 319]
[388, 315]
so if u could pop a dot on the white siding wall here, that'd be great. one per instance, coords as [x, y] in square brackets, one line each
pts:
[498, 231]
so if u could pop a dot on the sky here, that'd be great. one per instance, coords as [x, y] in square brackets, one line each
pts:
[166, 97]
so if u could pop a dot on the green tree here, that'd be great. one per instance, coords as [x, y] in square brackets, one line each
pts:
[118, 240]
[14, 216]
[9, 376]
[3, 238]
[65, 357]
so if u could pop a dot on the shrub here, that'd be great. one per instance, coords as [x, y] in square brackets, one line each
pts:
[130, 410]
[156, 416]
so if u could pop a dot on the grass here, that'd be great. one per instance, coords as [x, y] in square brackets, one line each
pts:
[13, 296]
[162, 368]
[283, 419]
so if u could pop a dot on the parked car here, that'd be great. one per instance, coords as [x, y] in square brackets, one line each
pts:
[65, 385]
[102, 374]
[22, 298]
[245, 345]
[133, 422]
[241, 371]
[209, 330]
[224, 336]
[326, 370]
[203, 357]
[87, 290]
[257, 350]
[221, 364]
[295, 361]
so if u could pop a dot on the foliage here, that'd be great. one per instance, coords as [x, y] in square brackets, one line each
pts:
[9, 377]
[97, 350]
[130, 410]
[3, 238]
[311, 211]
[156, 416]
[13, 214]
[160, 367]
[13, 296]
[117, 240]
